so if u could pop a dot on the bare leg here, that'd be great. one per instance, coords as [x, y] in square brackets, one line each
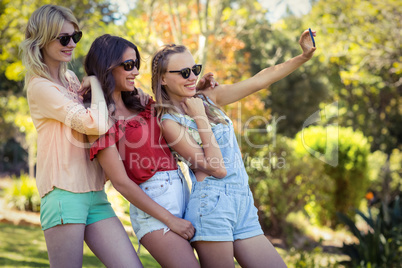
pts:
[257, 252]
[110, 243]
[170, 249]
[215, 254]
[65, 245]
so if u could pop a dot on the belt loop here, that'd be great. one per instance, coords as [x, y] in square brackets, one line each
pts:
[169, 177]
[192, 186]
[227, 189]
[181, 174]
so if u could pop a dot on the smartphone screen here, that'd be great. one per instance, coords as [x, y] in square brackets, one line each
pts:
[312, 37]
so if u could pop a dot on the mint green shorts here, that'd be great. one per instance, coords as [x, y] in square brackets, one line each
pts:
[63, 207]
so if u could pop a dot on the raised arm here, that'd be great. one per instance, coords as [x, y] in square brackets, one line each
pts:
[207, 158]
[51, 101]
[109, 159]
[226, 94]
[97, 97]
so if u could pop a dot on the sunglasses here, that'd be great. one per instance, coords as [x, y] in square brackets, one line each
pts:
[65, 39]
[185, 72]
[129, 65]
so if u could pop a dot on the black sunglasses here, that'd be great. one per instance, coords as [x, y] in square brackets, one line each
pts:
[129, 65]
[65, 39]
[185, 72]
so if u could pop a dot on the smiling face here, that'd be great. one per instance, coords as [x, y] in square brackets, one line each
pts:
[125, 79]
[176, 86]
[54, 53]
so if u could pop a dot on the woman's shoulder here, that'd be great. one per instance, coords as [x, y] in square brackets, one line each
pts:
[148, 109]
[73, 81]
[40, 84]
[173, 116]
[70, 75]
[181, 119]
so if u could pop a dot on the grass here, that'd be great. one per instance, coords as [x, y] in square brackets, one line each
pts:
[24, 246]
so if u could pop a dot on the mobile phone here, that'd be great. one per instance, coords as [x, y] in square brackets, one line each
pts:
[311, 35]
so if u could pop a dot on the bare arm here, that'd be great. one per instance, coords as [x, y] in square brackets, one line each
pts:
[109, 159]
[97, 98]
[208, 158]
[226, 94]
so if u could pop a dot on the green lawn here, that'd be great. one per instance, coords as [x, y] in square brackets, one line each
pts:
[23, 246]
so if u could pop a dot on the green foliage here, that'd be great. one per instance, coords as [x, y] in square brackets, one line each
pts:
[310, 259]
[12, 155]
[381, 244]
[298, 95]
[359, 45]
[23, 194]
[17, 114]
[281, 181]
[344, 153]
[385, 173]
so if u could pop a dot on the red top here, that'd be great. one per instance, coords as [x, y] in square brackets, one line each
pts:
[140, 144]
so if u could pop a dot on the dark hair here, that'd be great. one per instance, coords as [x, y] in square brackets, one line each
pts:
[105, 54]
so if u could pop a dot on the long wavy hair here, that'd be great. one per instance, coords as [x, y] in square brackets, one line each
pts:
[164, 105]
[105, 54]
[43, 27]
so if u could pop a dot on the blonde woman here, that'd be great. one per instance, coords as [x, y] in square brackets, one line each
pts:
[74, 206]
[221, 205]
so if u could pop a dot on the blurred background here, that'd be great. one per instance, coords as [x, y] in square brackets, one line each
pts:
[322, 146]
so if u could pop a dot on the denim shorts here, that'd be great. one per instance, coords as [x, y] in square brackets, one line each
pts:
[222, 212]
[167, 188]
[62, 207]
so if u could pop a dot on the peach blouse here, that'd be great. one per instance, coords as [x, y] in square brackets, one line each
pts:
[62, 123]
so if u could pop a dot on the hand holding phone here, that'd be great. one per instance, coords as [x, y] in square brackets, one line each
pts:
[312, 37]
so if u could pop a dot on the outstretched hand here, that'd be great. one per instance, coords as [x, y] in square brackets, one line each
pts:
[307, 44]
[207, 82]
[182, 227]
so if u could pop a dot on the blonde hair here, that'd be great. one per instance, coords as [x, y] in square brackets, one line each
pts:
[163, 105]
[43, 27]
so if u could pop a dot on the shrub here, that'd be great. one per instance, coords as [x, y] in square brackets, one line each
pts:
[315, 258]
[344, 153]
[23, 194]
[281, 182]
[381, 245]
[385, 173]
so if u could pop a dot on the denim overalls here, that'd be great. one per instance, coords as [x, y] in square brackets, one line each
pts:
[221, 209]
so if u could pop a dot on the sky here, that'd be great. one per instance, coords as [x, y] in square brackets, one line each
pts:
[276, 8]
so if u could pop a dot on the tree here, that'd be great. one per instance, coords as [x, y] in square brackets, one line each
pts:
[345, 153]
[361, 40]
[18, 113]
[14, 16]
[282, 182]
[296, 97]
